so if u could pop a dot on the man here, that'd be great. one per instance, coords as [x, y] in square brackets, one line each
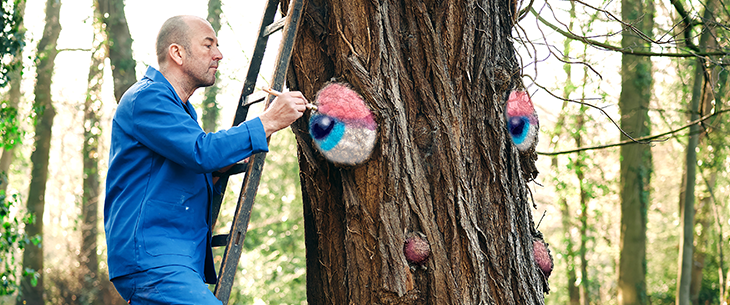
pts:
[159, 184]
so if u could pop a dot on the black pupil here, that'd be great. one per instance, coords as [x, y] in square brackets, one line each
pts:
[516, 125]
[322, 126]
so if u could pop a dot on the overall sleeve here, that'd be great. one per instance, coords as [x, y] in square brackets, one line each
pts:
[162, 124]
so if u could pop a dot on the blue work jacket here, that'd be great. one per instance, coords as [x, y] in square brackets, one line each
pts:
[159, 184]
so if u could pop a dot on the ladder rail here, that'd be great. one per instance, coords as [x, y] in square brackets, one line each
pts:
[251, 181]
[248, 86]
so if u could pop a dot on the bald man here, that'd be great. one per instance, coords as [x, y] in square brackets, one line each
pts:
[159, 184]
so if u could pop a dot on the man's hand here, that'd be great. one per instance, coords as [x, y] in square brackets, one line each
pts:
[284, 110]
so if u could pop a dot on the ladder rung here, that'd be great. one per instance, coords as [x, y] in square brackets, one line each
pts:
[219, 240]
[272, 28]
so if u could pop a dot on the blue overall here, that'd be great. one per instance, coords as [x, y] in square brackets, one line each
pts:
[159, 184]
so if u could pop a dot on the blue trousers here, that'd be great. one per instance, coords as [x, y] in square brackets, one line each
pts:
[165, 285]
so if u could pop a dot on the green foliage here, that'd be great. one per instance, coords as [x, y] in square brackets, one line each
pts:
[12, 241]
[273, 264]
[10, 132]
[11, 38]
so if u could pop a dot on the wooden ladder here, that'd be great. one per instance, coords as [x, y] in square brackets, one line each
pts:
[253, 168]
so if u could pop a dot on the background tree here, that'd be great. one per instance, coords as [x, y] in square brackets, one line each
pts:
[210, 106]
[700, 90]
[436, 75]
[10, 130]
[636, 89]
[90, 154]
[32, 283]
[11, 40]
[119, 42]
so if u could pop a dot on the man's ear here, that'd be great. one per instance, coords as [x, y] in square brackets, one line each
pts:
[175, 51]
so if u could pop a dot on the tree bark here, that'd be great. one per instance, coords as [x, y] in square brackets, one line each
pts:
[210, 106]
[636, 84]
[436, 75]
[33, 253]
[120, 45]
[90, 155]
[687, 194]
[8, 154]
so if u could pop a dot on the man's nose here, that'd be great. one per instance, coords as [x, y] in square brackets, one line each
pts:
[217, 55]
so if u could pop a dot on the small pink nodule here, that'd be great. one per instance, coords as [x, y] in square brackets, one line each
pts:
[416, 250]
[543, 258]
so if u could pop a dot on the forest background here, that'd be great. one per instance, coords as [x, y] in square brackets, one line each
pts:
[577, 195]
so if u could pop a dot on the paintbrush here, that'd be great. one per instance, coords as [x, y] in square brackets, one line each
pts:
[277, 93]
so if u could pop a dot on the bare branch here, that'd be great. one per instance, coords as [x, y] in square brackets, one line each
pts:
[687, 22]
[618, 49]
[631, 139]
[642, 139]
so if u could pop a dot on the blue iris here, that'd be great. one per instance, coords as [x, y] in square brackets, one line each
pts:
[326, 131]
[518, 128]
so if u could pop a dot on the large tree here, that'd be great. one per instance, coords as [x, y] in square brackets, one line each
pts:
[636, 85]
[32, 284]
[436, 75]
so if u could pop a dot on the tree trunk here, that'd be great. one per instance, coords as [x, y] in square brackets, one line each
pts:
[567, 218]
[33, 253]
[210, 106]
[120, 45]
[90, 154]
[14, 95]
[636, 84]
[436, 75]
[687, 194]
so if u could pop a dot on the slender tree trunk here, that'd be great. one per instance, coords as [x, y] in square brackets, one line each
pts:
[210, 106]
[687, 194]
[636, 84]
[436, 76]
[573, 289]
[120, 45]
[14, 95]
[33, 253]
[580, 174]
[90, 155]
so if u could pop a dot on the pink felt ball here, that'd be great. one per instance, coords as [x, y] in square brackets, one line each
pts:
[519, 104]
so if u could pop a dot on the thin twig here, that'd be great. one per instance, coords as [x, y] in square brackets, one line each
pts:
[589, 105]
[618, 49]
[642, 139]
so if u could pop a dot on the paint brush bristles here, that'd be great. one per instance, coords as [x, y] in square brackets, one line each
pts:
[277, 93]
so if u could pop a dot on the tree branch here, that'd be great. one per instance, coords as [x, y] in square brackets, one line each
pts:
[642, 139]
[618, 49]
[688, 24]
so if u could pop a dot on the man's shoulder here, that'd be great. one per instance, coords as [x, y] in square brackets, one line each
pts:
[144, 90]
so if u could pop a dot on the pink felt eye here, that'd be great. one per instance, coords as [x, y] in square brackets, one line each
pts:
[343, 128]
[522, 122]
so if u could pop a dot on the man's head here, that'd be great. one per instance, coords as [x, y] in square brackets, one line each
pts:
[187, 45]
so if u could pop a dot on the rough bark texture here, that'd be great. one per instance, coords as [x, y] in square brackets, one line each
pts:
[210, 106]
[436, 75]
[120, 45]
[33, 254]
[13, 101]
[90, 154]
[636, 83]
